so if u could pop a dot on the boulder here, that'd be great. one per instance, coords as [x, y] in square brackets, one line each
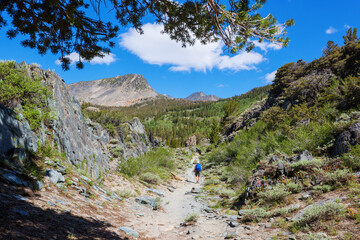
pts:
[129, 231]
[305, 155]
[148, 201]
[191, 141]
[349, 137]
[157, 192]
[54, 176]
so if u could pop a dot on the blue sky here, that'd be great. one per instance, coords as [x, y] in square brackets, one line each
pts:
[179, 72]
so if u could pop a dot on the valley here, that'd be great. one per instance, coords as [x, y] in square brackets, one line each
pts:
[281, 161]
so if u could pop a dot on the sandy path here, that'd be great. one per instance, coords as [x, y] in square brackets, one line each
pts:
[165, 223]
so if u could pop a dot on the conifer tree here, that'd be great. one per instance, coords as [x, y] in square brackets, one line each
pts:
[67, 26]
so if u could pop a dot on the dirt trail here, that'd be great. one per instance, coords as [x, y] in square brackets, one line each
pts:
[166, 223]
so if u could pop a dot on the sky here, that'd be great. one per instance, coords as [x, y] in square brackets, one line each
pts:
[178, 72]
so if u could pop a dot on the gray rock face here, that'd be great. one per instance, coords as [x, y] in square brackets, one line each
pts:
[15, 133]
[246, 120]
[78, 138]
[349, 137]
[84, 143]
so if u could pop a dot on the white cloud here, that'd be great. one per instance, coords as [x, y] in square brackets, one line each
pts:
[265, 46]
[242, 61]
[331, 30]
[221, 85]
[269, 77]
[107, 59]
[346, 26]
[156, 48]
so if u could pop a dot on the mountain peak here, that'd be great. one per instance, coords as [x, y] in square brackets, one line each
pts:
[201, 96]
[123, 90]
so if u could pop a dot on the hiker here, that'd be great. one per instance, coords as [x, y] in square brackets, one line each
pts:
[197, 170]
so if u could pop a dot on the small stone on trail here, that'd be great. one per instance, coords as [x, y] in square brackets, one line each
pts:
[170, 189]
[51, 203]
[196, 190]
[247, 227]
[147, 201]
[129, 231]
[233, 224]
[158, 192]
[268, 225]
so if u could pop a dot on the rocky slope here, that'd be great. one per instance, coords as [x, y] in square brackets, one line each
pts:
[83, 143]
[124, 90]
[201, 96]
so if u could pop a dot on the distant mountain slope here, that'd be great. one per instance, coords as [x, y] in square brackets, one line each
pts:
[201, 96]
[124, 90]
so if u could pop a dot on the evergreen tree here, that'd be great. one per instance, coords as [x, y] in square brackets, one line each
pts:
[214, 132]
[66, 26]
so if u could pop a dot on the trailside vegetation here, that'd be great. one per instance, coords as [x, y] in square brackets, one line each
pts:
[24, 94]
[310, 104]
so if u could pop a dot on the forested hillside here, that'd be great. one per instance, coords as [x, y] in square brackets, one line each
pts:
[175, 120]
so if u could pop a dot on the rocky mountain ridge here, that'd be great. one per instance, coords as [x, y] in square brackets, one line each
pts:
[124, 90]
[201, 96]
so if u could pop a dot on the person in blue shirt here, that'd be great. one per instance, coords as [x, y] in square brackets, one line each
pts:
[197, 170]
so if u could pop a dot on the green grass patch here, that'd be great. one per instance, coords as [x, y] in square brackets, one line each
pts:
[154, 163]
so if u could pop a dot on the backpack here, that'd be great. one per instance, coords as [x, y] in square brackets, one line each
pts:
[198, 167]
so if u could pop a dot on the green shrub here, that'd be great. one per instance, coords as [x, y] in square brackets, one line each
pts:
[277, 194]
[224, 192]
[319, 212]
[192, 218]
[212, 181]
[116, 152]
[126, 193]
[293, 187]
[16, 87]
[323, 188]
[352, 159]
[339, 176]
[150, 178]
[158, 162]
[255, 214]
[284, 211]
[307, 164]
[315, 236]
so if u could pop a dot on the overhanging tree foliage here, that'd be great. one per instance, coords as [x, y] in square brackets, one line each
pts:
[66, 26]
